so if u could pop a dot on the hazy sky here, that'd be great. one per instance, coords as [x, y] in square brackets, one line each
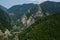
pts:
[9, 3]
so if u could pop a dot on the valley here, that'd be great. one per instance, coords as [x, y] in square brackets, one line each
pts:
[30, 21]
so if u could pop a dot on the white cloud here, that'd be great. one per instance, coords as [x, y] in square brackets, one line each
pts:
[55, 0]
[38, 1]
[33, 0]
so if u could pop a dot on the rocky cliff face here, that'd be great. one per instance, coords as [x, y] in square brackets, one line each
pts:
[28, 21]
[24, 19]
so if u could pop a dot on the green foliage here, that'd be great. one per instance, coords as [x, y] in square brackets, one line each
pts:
[45, 28]
[5, 21]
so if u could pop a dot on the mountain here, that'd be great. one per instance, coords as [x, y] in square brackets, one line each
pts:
[5, 21]
[46, 8]
[27, 14]
[50, 7]
[18, 10]
[32, 21]
[45, 28]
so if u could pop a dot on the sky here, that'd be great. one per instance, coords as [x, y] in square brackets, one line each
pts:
[10, 3]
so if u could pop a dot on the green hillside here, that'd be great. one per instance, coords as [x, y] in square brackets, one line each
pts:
[5, 21]
[45, 28]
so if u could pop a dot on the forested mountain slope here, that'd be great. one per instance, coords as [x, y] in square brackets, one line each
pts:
[45, 28]
[5, 21]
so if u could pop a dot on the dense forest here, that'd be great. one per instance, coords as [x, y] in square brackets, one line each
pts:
[5, 21]
[45, 28]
